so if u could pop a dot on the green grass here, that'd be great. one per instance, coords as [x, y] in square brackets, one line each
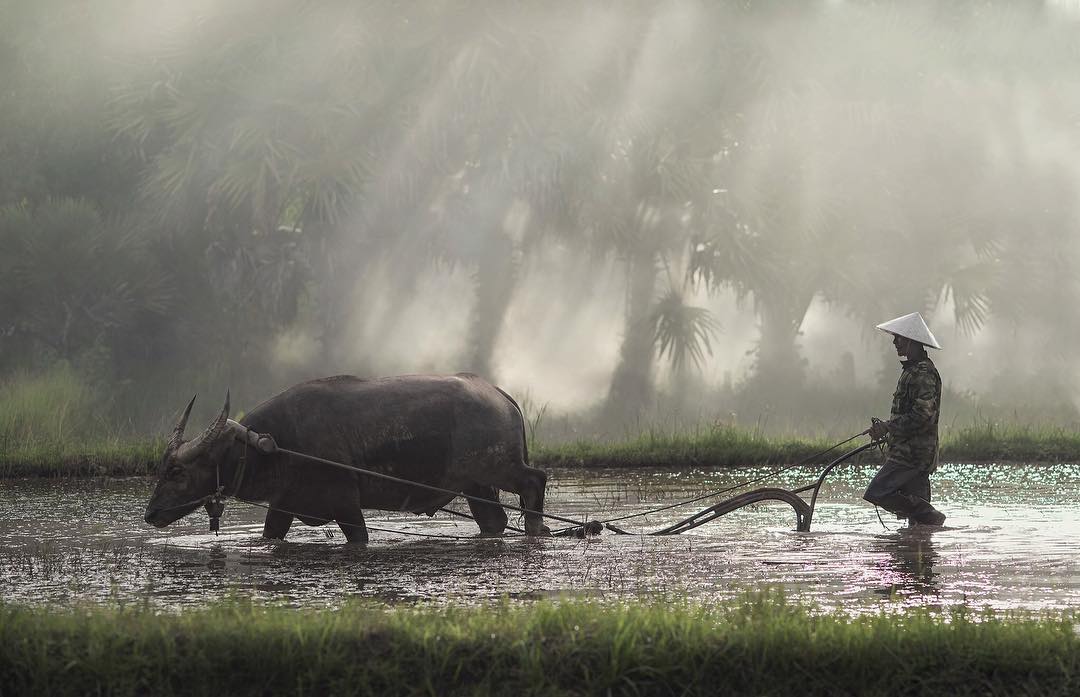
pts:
[720, 447]
[725, 447]
[760, 646]
[43, 408]
[115, 457]
[991, 442]
[48, 428]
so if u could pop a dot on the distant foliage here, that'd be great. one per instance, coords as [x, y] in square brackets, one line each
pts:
[683, 332]
[73, 283]
[174, 202]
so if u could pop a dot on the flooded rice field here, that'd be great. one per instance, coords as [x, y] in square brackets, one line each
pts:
[1010, 542]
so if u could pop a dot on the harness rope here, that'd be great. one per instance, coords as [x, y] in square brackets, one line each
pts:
[451, 511]
[734, 487]
[239, 478]
[720, 509]
[429, 487]
[271, 447]
[369, 527]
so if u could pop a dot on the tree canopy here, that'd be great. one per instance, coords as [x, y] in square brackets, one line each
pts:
[246, 172]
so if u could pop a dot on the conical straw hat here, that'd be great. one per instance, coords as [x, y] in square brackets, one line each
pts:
[911, 327]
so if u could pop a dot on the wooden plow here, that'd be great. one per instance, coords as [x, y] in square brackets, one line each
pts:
[804, 512]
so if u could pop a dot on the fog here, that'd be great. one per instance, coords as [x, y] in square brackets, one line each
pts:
[628, 214]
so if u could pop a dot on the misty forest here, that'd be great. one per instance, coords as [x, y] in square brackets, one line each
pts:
[536, 347]
[626, 213]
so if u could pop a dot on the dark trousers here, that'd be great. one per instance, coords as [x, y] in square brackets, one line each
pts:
[901, 489]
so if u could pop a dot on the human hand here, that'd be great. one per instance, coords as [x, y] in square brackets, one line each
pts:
[878, 429]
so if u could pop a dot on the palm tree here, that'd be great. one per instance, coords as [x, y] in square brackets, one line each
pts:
[655, 202]
[256, 149]
[684, 332]
[250, 132]
[497, 131]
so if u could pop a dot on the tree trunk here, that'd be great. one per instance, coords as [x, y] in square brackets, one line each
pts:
[780, 368]
[778, 359]
[332, 288]
[495, 278]
[632, 388]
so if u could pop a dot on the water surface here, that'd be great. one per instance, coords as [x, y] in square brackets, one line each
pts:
[1009, 542]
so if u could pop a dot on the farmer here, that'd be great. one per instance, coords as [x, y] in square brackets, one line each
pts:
[902, 485]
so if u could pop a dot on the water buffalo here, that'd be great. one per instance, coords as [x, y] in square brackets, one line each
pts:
[457, 432]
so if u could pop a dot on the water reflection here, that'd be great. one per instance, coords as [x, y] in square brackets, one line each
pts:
[907, 565]
[217, 558]
[1010, 544]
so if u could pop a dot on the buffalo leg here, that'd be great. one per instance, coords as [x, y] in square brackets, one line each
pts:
[355, 530]
[490, 517]
[277, 524]
[529, 483]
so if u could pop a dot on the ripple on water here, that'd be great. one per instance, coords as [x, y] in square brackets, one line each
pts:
[1009, 544]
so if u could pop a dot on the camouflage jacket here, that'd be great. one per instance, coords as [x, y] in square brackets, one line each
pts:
[913, 423]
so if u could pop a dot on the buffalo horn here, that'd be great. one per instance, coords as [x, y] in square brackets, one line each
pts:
[177, 438]
[194, 448]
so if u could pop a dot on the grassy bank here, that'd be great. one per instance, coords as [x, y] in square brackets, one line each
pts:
[760, 646]
[726, 447]
[113, 458]
[996, 443]
[44, 425]
[730, 447]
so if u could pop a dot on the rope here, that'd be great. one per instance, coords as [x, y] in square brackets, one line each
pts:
[369, 527]
[451, 511]
[737, 486]
[697, 519]
[194, 502]
[468, 497]
[878, 511]
[238, 478]
[220, 492]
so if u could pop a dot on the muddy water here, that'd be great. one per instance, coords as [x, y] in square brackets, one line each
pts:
[1010, 542]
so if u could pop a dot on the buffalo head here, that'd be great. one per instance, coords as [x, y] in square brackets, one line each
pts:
[189, 469]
